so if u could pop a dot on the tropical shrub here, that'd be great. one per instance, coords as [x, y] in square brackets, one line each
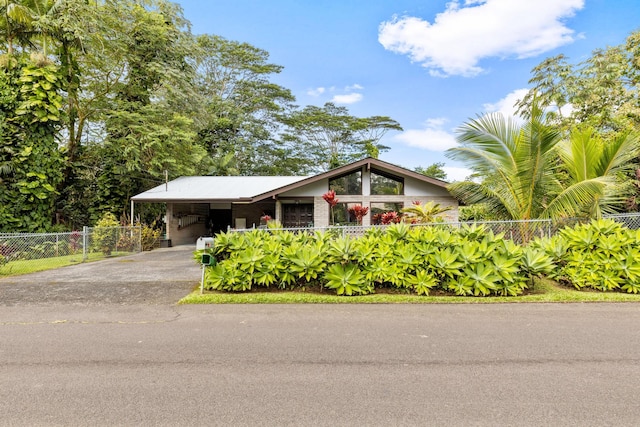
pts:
[467, 261]
[150, 236]
[601, 255]
[105, 234]
[418, 213]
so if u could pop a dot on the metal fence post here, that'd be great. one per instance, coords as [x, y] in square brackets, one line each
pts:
[85, 239]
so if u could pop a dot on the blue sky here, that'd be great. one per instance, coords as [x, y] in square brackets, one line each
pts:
[429, 64]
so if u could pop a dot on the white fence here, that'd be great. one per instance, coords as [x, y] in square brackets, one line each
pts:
[518, 231]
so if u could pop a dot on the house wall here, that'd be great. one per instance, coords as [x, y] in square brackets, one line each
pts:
[413, 187]
[414, 190]
[252, 212]
[314, 189]
[321, 208]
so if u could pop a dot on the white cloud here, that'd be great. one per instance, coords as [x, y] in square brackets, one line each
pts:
[456, 173]
[354, 86]
[507, 105]
[432, 137]
[461, 36]
[316, 92]
[349, 98]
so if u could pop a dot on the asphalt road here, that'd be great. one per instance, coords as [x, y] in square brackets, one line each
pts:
[155, 364]
[105, 344]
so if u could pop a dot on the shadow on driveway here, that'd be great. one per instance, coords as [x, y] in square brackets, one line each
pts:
[162, 276]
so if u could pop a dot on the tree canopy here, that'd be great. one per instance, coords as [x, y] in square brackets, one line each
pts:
[99, 99]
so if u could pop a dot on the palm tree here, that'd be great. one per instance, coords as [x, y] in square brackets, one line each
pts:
[597, 172]
[528, 171]
[424, 214]
[517, 164]
[15, 23]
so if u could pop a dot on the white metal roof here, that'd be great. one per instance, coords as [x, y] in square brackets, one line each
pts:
[204, 188]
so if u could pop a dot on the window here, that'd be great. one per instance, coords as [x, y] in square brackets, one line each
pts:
[340, 214]
[347, 185]
[378, 211]
[385, 184]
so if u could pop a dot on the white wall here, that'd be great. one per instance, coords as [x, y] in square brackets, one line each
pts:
[317, 188]
[413, 187]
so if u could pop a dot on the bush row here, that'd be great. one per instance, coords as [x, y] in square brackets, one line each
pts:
[602, 255]
[466, 261]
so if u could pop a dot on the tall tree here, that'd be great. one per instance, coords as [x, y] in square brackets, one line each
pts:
[328, 136]
[15, 24]
[144, 135]
[602, 92]
[241, 105]
[434, 170]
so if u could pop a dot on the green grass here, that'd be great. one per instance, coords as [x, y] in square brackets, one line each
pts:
[16, 268]
[544, 291]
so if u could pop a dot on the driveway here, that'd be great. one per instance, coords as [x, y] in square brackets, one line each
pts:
[162, 276]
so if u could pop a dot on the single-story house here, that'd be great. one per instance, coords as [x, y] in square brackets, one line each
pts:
[203, 205]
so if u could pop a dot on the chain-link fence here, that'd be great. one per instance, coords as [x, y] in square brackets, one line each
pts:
[518, 231]
[27, 252]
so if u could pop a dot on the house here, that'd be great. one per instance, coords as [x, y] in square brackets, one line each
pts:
[203, 205]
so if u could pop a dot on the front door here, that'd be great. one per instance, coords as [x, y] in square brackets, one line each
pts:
[297, 215]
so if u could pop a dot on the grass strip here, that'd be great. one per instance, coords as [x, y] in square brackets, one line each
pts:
[544, 291]
[16, 268]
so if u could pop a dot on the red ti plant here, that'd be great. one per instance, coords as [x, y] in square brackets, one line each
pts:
[390, 218]
[330, 197]
[359, 212]
[264, 219]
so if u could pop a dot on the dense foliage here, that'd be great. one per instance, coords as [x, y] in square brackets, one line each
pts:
[99, 99]
[601, 255]
[30, 162]
[467, 261]
[533, 170]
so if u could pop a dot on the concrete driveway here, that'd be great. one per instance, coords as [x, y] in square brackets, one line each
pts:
[162, 276]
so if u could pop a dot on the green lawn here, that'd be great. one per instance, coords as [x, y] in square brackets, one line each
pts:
[15, 268]
[544, 291]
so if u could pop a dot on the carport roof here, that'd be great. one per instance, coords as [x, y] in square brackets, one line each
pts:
[215, 188]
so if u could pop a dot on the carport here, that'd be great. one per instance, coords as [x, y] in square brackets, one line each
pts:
[203, 205]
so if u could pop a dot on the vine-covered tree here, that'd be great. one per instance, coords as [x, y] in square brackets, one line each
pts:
[30, 161]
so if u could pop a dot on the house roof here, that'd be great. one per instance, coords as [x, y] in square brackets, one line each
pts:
[207, 188]
[368, 162]
[255, 188]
